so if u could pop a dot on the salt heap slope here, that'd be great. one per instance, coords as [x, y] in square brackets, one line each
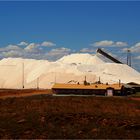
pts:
[69, 69]
[81, 59]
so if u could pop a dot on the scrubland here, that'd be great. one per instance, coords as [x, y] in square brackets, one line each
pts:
[52, 117]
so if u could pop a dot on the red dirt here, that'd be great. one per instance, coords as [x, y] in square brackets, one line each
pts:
[51, 117]
[6, 93]
[135, 98]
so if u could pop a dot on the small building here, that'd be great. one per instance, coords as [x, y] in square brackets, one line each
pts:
[92, 89]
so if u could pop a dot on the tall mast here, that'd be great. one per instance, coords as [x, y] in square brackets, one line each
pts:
[23, 75]
[129, 57]
[38, 83]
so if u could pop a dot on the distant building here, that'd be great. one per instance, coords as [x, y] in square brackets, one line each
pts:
[93, 89]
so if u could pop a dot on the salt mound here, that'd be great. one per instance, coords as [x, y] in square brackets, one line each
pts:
[68, 69]
[81, 59]
[112, 72]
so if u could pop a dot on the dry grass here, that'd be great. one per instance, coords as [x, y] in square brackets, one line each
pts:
[69, 117]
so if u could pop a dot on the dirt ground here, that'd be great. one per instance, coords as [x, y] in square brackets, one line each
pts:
[52, 117]
[6, 93]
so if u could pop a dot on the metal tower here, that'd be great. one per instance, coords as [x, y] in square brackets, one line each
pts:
[128, 57]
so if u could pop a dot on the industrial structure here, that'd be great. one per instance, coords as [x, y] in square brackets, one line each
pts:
[93, 89]
[97, 88]
[108, 56]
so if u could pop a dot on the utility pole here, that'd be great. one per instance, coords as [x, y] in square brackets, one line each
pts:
[85, 78]
[38, 83]
[128, 57]
[23, 75]
[119, 82]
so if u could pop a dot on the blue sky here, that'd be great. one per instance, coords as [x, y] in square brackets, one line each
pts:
[69, 26]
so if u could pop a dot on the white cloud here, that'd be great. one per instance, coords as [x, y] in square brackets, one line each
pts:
[103, 43]
[12, 53]
[35, 53]
[31, 47]
[23, 43]
[136, 47]
[32, 50]
[13, 47]
[87, 50]
[120, 44]
[57, 53]
[138, 57]
[35, 47]
[48, 44]
[109, 43]
[125, 49]
[9, 47]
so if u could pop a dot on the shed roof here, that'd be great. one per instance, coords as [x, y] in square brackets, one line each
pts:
[82, 86]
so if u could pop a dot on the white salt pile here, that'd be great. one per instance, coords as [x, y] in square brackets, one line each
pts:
[16, 72]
